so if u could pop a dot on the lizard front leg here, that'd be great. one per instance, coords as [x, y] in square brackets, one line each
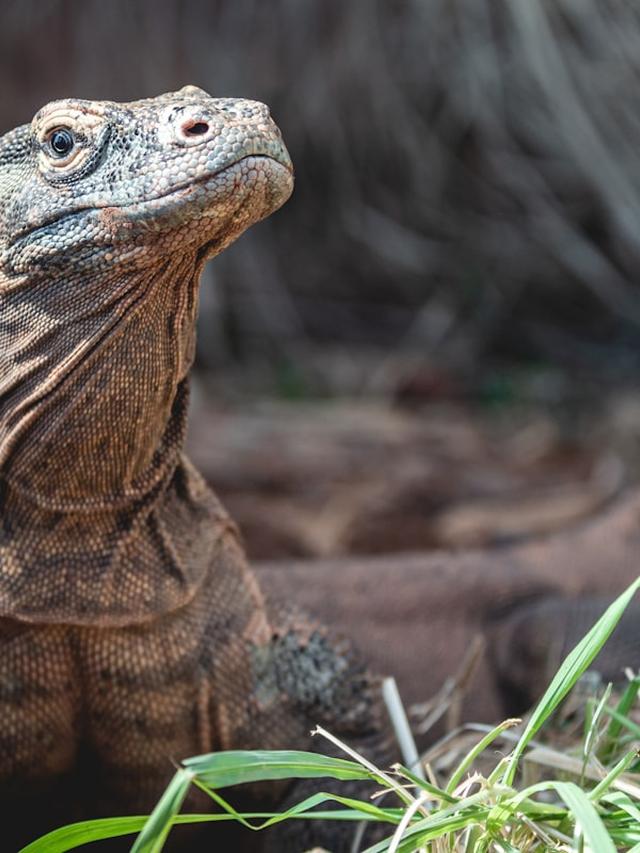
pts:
[39, 729]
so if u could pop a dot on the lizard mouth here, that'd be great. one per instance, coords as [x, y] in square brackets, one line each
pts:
[192, 200]
[239, 179]
[276, 165]
[211, 212]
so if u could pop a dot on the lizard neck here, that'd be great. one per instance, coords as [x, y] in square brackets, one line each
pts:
[100, 512]
[93, 389]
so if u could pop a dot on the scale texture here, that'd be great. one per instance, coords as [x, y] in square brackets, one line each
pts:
[132, 633]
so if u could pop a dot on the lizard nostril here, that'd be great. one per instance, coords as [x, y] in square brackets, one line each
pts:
[195, 128]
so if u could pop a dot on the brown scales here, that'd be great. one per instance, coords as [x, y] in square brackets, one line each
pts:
[132, 631]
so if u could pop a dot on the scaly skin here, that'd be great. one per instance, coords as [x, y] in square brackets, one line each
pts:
[132, 632]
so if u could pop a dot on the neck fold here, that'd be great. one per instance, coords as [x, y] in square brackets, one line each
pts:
[100, 514]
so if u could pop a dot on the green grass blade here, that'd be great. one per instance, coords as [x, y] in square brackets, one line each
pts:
[79, 834]
[431, 828]
[577, 802]
[472, 810]
[624, 722]
[76, 835]
[477, 750]
[221, 769]
[603, 786]
[622, 801]
[356, 809]
[574, 665]
[158, 826]
[420, 783]
[615, 726]
[592, 734]
[586, 816]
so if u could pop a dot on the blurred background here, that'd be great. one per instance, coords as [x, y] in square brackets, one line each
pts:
[437, 340]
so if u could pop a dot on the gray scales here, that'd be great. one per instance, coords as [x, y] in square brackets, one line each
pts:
[132, 632]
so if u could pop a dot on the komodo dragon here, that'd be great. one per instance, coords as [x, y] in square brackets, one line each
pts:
[131, 630]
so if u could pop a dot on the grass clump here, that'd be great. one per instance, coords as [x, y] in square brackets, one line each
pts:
[584, 799]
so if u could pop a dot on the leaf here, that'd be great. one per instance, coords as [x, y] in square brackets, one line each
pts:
[581, 807]
[158, 826]
[586, 816]
[76, 835]
[615, 726]
[221, 769]
[574, 665]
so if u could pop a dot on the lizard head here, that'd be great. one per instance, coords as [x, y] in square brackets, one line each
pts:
[100, 183]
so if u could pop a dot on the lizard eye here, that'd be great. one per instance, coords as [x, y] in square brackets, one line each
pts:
[61, 142]
[69, 141]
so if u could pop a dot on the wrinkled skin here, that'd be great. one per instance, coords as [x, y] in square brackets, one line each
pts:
[132, 632]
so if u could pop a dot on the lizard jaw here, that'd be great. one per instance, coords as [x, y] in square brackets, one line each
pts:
[212, 211]
[205, 214]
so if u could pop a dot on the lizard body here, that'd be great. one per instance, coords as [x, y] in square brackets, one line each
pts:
[131, 629]
[532, 602]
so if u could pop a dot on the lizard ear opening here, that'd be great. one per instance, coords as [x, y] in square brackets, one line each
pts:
[15, 147]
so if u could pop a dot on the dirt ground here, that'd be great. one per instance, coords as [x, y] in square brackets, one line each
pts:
[367, 475]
